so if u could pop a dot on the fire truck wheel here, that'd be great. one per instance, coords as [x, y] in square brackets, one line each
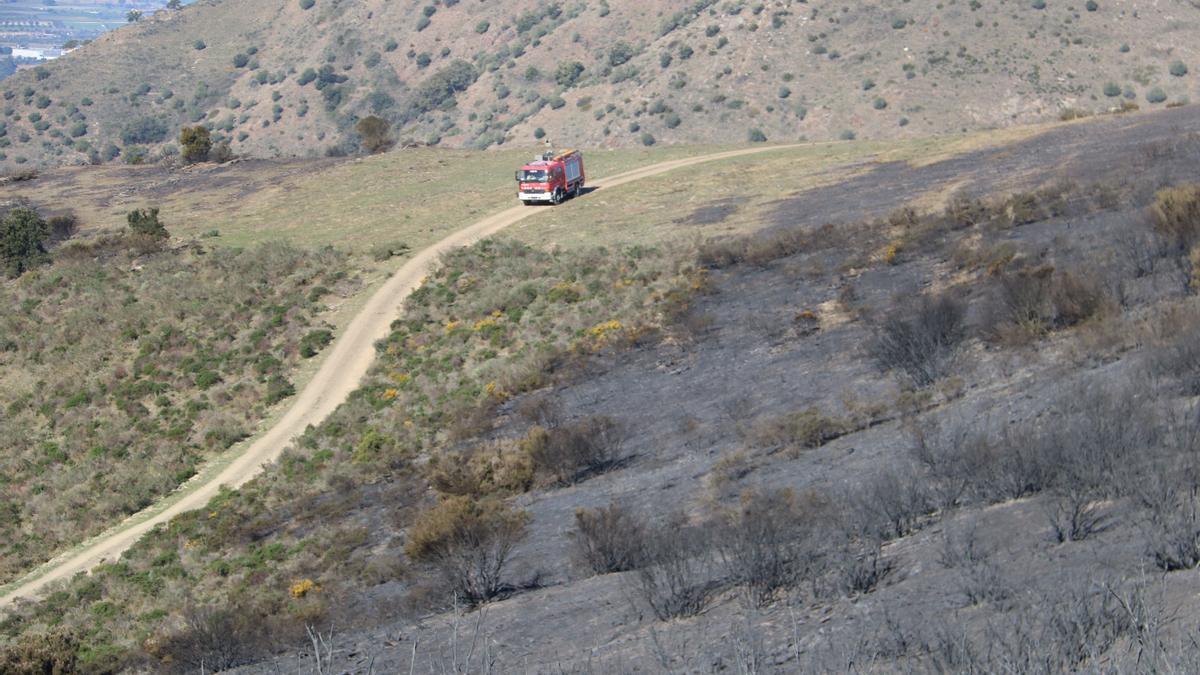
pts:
[558, 195]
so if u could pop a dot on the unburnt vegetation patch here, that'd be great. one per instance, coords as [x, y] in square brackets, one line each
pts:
[493, 321]
[126, 363]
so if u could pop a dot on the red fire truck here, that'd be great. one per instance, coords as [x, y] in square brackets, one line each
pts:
[551, 177]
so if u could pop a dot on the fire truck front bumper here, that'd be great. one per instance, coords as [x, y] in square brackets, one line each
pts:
[536, 196]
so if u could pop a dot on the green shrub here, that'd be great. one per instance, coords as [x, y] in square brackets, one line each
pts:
[899, 23]
[145, 222]
[196, 142]
[482, 27]
[647, 138]
[240, 60]
[314, 341]
[879, 103]
[1091, 5]
[307, 4]
[422, 23]
[539, 133]
[847, 135]
[144, 130]
[198, 45]
[1178, 68]
[22, 241]
[756, 136]
[1112, 89]
[1156, 95]
[567, 74]
[868, 84]
[784, 92]
[672, 120]
[1038, 4]
[620, 53]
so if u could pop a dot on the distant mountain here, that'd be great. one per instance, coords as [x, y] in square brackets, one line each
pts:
[292, 77]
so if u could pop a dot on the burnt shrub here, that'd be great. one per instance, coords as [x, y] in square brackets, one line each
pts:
[572, 452]
[921, 339]
[216, 638]
[607, 540]
[468, 543]
[679, 575]
[766, 543]
[1175, 215]
[1170, 502]
[1032, 300]
[373, 133]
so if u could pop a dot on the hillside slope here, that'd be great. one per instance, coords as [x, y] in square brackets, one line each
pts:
[768, 471]
[275, 78]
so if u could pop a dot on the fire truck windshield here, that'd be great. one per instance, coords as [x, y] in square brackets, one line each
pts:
[533, 176]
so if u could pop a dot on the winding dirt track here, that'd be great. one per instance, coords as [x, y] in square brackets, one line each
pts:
[340, 373]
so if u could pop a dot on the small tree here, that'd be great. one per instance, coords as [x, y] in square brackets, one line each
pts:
[145, 222]
[133, 15]
[373, 131]
[196, 143]
[174, 4]
[22, 241]
[469, 543]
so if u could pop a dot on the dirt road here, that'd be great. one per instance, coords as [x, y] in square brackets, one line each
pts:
[340, 373]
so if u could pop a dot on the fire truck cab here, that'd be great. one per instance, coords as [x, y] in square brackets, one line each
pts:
[551, 178]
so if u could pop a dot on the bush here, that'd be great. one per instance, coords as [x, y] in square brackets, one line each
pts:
[672, 120]
[921, 340]
[145, 222]
[620, 53]
[1091, 5]
[307, 4]
[440, 88]
[784, 92]
[216, 638]
[469, 543]
[314, 341]
[144, 130]
[1178, 68]
[1175, 216]
[879, 103]
[608, 540]
[756, 136]
[647, 138]
[766, 543]
[373, 133]
[22, 241]
[1156, 95]
[196, 142]
[240, 60]
[482, 27]
[570, 453]
[567, 74]
[539, 133]
[1112, 89]
[51, 653]
[678, 576]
